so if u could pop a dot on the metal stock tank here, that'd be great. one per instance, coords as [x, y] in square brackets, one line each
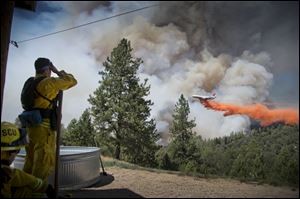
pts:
[79, 166]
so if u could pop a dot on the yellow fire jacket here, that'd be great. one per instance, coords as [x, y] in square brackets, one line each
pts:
[22, 183]
[50, 86]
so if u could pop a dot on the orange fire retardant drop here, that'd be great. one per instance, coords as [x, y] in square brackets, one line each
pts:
[257, 111]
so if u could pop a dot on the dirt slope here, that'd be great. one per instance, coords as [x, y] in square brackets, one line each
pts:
[138, 183]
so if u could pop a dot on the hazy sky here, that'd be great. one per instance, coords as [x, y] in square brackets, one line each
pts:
[246, 52]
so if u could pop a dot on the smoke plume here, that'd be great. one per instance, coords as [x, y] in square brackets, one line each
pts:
[200, 47]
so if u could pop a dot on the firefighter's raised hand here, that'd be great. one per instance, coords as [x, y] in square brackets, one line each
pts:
[54, 69]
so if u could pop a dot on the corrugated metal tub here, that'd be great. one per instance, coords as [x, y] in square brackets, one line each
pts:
[79, 166]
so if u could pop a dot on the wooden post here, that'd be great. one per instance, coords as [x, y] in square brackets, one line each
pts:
[57, 159]
[7, 9]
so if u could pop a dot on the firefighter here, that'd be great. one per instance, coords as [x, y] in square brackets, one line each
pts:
[16, 183]
[40, 153]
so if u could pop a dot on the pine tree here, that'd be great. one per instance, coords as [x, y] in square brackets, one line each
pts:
[286, 165]
[181, 131]
[121, 114]
[68, 135]
[249, 163]
[81, 132]
[85, 129]
[163, 159]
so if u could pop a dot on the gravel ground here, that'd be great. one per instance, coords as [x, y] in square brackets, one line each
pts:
[129, 183]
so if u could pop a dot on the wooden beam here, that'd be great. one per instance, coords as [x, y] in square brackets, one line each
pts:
[7, 9]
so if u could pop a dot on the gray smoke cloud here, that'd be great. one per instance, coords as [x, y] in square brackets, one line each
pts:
[230, 48]
[233, 27]
[87, 7]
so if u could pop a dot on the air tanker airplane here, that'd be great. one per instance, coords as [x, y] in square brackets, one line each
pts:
[204, 97]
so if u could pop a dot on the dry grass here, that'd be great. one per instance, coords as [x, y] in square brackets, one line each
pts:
[128, 180]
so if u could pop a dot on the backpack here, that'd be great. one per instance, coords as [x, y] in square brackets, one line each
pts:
[29, 92]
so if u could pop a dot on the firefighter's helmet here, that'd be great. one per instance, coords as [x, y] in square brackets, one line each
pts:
[12, 137]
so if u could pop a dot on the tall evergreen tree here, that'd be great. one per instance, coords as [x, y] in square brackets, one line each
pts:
[81, 132]
[121, 114]
[68, 135]
[249, 163]
[181, 131]
[85, 129]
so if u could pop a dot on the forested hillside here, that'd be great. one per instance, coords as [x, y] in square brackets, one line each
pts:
[269, 154]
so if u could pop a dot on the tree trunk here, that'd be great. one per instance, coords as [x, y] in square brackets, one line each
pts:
[118, 151]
